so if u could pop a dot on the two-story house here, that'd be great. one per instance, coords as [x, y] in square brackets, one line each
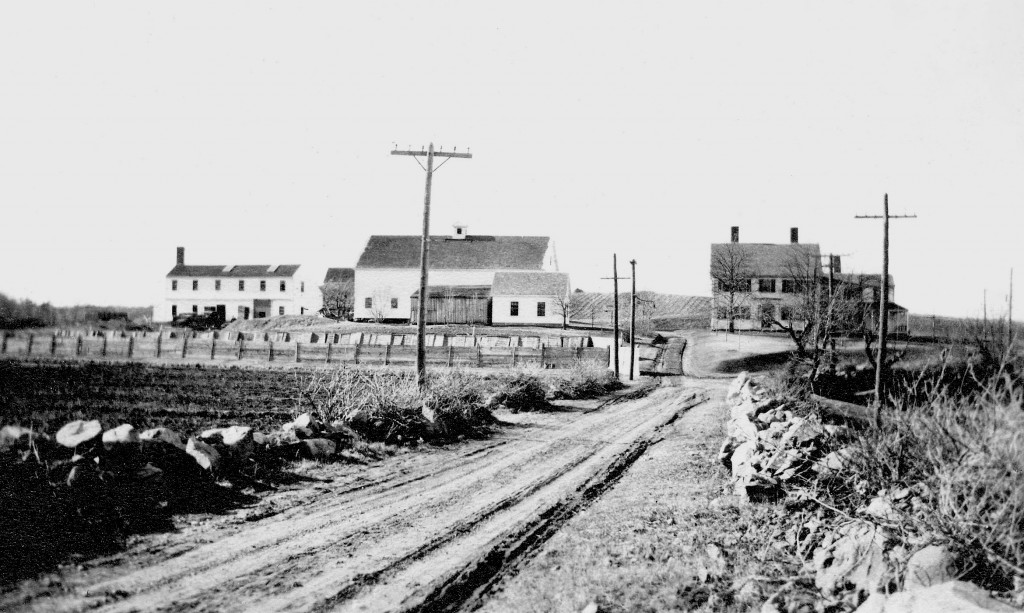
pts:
[757, 286]
[248, 291]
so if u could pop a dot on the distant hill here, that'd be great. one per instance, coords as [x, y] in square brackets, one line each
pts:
[671, 311]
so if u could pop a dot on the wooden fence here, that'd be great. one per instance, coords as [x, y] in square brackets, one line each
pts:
[226, 351]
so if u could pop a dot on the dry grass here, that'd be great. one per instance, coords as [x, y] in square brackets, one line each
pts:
[585, 379]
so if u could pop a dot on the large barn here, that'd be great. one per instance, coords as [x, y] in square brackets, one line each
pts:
[462, 269]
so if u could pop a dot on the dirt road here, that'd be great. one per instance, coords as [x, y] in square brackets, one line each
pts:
[422, 533]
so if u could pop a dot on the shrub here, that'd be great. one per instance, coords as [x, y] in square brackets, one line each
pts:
[523, 390]
[387, 406]
[585, 379]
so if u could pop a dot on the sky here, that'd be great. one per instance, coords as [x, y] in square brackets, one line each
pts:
[254, 132]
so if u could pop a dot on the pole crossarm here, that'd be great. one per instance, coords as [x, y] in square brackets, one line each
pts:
[437, 154]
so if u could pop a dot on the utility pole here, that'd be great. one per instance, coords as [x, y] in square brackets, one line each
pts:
[632, 320]
[421, 307]
[1009, 315]
[883, 305]
[615, 320]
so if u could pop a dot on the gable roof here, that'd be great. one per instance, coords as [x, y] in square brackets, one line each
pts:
[246, 270]
[768, 259]
[530, 284]
[472, 252]
[340, 275]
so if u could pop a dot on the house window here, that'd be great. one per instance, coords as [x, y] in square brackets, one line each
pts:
[174, 311]
[368, 303]
[282, 286]
[742, 312]
[302, 286]
[541, 307]
[514, 309]
[263, 285]
[195, 284]
[241, 285]
[174, 286]
[280, 310]
[195, 308]
[788, 287]
[722, 313]
[734, 285]
[394, 303]
[786, 313]
[766, 286]
[767, 315]
[216, 285]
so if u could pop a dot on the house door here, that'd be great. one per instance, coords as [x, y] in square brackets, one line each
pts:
[767, 313]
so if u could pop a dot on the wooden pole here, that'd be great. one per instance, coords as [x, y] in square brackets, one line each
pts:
[883, 317]
[131, 345]
[329, 345]
[1009, 315]
[615, 320]
[632, 320]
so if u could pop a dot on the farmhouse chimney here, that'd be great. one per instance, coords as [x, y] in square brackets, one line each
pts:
[181, 255]
[794, 235]
[735, 234]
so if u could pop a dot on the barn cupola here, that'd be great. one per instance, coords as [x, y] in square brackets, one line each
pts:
[459, 232]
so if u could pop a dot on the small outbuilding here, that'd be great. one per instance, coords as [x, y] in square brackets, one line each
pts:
[454, 304]
[530, 298]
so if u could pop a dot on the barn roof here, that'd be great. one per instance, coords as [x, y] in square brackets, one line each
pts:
[768, 259]
[530, 284]
[245, 270]
[472, 252]
[340, 275]
[868, 280]
[456, 291]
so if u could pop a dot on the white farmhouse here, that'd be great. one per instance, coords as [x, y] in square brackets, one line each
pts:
[530, 298]
[388, 272]
[235, 291]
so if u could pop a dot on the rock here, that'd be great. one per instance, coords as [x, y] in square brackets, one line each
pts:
[930, 566]
[742, 459]
[205, 455]
[124, 434]
[880, 508]
[742, 429]
[306, 421]
[291, 430]
[260, 439]
[164, 435]
[171, 459]
[948, 597]
[835, 461]
[744, 410]
[318, 449]
[856, 557]
[495, 399]
[725, 452]
[747, 591]
[17, 439]
[590, 608]
[79, 432]
[733, 393]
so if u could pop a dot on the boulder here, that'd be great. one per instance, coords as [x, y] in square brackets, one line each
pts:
[881, 509]
[948, 597]
[164, 435]
[205, 455]
[835, 461]
[742, 429]
[318, 449]
[733, 393]
[856, 556]
[742, 459]
[930, 566]
[725, 452]
[744, 409]
[124, 434]
[79, 432]
[17, 439]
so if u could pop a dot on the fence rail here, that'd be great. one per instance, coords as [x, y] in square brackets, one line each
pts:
[227, 351]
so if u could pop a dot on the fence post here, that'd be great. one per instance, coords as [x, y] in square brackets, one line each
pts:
[479, 357]
[131, 346]
[355, 353]
[297, 351]
[3, 343]
[543, 364]
[513, 356]
[329, 345]
[241, 339]
[103, 352]
[28, 348]
[579, 353]
[78, 346]
[387, 354]
[451, 350]
[159, 339]
[271, 358]
[53, 344]
[213, 348]
[184, 345]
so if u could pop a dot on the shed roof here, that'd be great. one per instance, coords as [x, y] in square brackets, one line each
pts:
[472, 252]
[245, 270]
[340, 275]
[530, 284]
[456, 291]
[768, 259]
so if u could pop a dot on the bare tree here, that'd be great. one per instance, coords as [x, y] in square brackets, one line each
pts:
[731, 272]
[379, 306]
[338, 299]
[569, 306]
